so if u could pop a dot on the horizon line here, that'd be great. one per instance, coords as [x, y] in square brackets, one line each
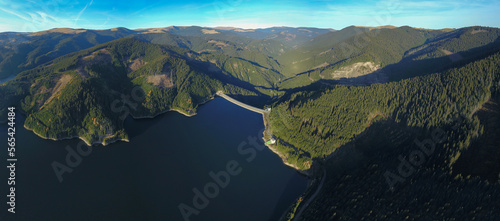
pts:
[222, 27]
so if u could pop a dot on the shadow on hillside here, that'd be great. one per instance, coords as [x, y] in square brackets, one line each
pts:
[257, 65]
[384, 141]
[381, 143]
[482, 158]
[357, 179]
[257, 100]
[213, 71]
[408, 68]
[315, 87]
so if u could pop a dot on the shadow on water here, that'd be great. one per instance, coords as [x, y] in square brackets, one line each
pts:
[3, 80]
[281, 206]
[148, 177]
[136, 127]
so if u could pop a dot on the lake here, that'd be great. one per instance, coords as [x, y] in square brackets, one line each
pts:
[10, 77]
[167, 163]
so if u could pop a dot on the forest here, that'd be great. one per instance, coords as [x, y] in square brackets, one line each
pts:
[365, 131]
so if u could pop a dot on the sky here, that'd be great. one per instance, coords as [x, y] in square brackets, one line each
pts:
[38, 15]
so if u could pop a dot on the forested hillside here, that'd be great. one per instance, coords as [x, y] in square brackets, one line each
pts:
[381, 46]
[23, 51]
[89, 93]
[367, 132]
[318, 122]
[372, 56]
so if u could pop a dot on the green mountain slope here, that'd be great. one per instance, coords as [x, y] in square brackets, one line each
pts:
[367, 132]
[257, 51]
[291, 37]
[318, 122]
[392, 54]
[352, 44]
[446, 50]
[89, 93]
[22, 51]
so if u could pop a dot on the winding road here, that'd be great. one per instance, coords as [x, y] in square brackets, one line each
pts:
[297, 215]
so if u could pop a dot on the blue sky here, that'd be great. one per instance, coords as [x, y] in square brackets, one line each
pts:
[37, 15]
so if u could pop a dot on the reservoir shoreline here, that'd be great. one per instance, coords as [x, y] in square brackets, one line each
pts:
[202, 145]
[266, 134]
[105, 143]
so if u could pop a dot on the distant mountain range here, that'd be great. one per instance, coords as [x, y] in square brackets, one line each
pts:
[22, 51]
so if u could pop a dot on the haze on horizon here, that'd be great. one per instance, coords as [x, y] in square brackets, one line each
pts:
[31, 16]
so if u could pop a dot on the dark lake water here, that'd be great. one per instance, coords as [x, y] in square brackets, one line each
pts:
[149, 177]
[3, 80]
